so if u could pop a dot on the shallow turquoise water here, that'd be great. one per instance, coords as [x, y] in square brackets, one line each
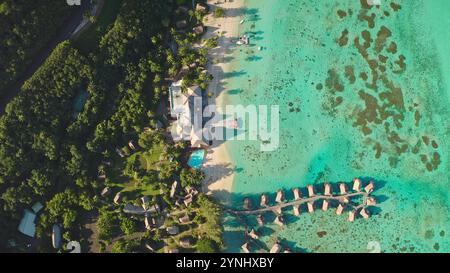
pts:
[396, 132]
[196, 159]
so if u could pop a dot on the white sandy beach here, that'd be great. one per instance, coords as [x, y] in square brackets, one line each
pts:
[218, 166]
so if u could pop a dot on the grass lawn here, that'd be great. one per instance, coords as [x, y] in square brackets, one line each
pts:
[150, 159]
[89, 40]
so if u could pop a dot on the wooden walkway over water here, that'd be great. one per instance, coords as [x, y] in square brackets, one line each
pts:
[274, 208]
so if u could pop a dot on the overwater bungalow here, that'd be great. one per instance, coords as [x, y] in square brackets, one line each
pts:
[327, 189]
[280, 196]
[356, 184]
[311, 191]
[297, 193]
[276, 248]
[253, 234]
[351, 215]
[371, 201]
[279, 220]
[364, 213]
[370, 187]
[325, 205]
[264, 200]
[260, 219]
[296, 209]
[343, 188]
[310, 207]
[246, 248]
[340, 209]
[247, 203]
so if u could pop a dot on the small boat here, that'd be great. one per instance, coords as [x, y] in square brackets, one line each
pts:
[242, 21]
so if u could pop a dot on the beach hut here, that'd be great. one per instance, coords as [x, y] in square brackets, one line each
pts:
[280, 196]
[173, 189]
[246, 248]
[351, 215]
[279, 220]
[247, 203]
[187, 201]
[310, 207]
[343, 188]
[311, 191]
[371, 201]
[325, 205]
[370, 187]
[356, 184]
[145, 202]
[184, 219]
[56, 236]
[117, 198]
[260, 219]
[327, 189]
[148, 222]
[174, 230]
[364, 213]
[340, 209]
[264, 200]
[199, 30]
[253, 234]
[106, 191]
[131, 145]
[297, 193]
[276, 248]
[296, 209]
[185, 242]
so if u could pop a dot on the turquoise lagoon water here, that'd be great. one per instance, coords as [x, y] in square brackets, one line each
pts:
[196, 159]
[376, 107]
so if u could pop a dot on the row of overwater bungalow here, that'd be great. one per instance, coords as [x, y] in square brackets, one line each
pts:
[328, 192]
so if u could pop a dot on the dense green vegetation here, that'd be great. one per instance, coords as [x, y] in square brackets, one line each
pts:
[21, 35]
[53, 150]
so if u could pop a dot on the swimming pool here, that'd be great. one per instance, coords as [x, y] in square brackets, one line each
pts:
[196, 159]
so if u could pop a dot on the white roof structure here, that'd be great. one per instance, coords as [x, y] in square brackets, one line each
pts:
[27, 225]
